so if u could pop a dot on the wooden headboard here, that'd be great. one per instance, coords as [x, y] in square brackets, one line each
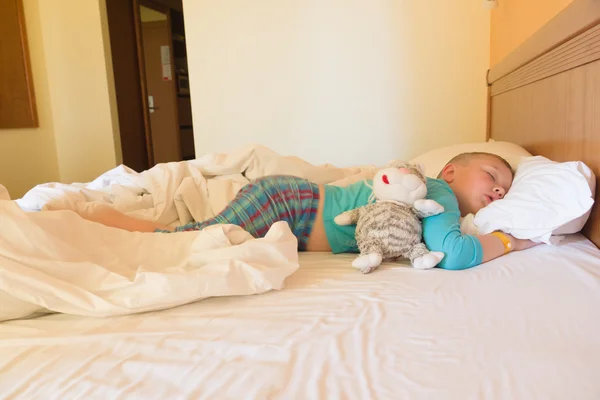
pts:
[545, 96]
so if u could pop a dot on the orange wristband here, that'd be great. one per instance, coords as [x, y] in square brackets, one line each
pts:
[505, 241]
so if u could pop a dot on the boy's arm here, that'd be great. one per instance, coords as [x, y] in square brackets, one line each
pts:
[494, 248]
[442, 233]
[108, 216]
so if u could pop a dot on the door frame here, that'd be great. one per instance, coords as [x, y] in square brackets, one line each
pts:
[137, 23]
[124, 29]
[142, 66]
[123, 47]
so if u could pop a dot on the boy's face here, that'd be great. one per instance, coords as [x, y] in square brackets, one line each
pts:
[477, 182]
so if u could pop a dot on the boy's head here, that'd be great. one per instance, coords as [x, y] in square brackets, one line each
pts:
[477, 179]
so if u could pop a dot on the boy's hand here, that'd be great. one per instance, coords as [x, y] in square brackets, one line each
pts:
[493, 247]
[521, 244]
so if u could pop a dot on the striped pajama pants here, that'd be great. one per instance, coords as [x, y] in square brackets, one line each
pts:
[267, 200]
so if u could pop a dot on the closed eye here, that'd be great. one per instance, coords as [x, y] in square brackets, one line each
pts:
[491, 176]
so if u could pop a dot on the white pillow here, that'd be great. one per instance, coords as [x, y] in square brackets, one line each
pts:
[436, 159]
[546, 198]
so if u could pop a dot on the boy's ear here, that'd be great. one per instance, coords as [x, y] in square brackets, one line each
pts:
[448, 173]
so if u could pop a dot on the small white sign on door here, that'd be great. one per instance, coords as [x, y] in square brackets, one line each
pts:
[165, 58]
[167, 74]
[165, 55]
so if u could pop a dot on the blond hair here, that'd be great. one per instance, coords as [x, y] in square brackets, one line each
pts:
[466, 158]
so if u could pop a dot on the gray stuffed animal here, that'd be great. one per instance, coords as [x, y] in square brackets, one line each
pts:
[391, 227]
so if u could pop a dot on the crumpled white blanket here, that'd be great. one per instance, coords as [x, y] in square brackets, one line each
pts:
[58, 262]
[178, 192]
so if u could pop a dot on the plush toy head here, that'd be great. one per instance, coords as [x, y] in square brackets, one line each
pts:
[400, 182]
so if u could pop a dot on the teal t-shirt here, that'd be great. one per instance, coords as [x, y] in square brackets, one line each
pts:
[337, 200]
[440, 232]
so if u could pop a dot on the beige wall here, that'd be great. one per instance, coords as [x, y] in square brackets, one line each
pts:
[516, 20]
[337, 81]
[77, 139]
[28, 156]
[345, 82]
[79, 88]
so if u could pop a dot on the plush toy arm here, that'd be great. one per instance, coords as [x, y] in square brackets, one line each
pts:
[348, 217]
[427, 208]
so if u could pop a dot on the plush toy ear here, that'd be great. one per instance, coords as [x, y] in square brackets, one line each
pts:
[395, 164]
[421, 168]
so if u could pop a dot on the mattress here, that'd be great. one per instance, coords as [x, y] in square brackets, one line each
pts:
[524, 326]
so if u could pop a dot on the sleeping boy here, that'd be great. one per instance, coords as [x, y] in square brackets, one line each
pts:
[466, 184]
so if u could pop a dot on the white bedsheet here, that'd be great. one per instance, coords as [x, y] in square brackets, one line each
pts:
[525, 326]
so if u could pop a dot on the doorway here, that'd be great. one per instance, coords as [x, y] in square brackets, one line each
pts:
[151, 81]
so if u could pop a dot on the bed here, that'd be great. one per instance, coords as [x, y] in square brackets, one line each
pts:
[524, 326]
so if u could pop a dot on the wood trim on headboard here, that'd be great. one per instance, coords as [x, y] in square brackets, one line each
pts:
[550, 105]
[580, 50]
[576, 18]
